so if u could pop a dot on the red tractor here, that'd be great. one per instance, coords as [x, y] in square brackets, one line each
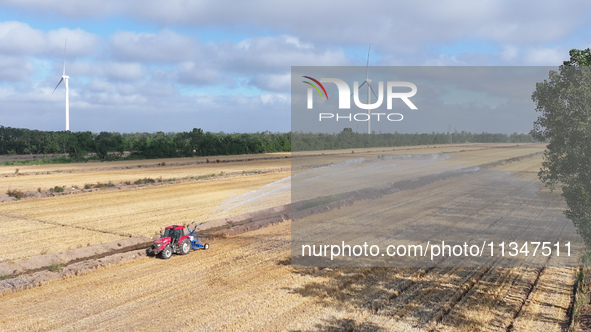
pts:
[176, 240]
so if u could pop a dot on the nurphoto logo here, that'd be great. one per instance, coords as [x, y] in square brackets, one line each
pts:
[344, 100]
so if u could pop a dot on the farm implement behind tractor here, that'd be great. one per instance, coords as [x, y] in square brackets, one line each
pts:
[176, 240]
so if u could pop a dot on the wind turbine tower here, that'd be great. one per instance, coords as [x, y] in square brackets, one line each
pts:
[369, 90]
[65, 80]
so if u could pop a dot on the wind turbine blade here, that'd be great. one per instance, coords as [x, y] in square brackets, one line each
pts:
[372, 91]
[65, 44]
[358, 88]
[58, 84]
[367, 65]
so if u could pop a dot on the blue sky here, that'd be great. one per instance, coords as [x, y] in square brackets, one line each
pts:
[149, 65]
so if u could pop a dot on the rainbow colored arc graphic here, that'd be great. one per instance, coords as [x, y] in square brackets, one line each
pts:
[315, 87]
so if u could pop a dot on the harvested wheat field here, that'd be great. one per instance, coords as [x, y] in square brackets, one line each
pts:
[96, 165]
[77, 179]
[111, 214]
[246, 282]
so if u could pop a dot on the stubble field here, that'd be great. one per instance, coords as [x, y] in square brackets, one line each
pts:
[246, 282]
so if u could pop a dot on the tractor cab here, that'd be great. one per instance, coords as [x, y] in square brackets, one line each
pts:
[174, 232]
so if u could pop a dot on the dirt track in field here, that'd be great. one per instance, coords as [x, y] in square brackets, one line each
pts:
[245, 282]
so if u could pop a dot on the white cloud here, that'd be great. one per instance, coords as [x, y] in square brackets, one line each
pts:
[197, 74]
[276, 98]
[264, 62]
[273, 82]
[401, 26]
[15, 68]
[124, 71]
[164, 46]
[394, 26]
[79, 42]
[71, 8]
[279, 52]
[118, 71]
[17, 38]
[444, 60]
[509, 53]
[545, 56]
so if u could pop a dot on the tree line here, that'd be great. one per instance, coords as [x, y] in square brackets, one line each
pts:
[347, 139]
[109, 145]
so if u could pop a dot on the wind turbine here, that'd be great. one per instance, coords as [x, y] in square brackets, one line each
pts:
[65, 78]
[369, 90]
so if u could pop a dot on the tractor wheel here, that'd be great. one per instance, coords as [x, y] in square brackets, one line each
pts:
[166, 253]
[185, 246]
[206, 246]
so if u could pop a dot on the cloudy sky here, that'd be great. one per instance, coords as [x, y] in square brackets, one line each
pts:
[149, 65]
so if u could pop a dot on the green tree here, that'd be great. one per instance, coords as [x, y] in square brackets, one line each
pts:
[565, 103]
[161, 146]
[108, 142]
[79, 144]
[579, 58]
